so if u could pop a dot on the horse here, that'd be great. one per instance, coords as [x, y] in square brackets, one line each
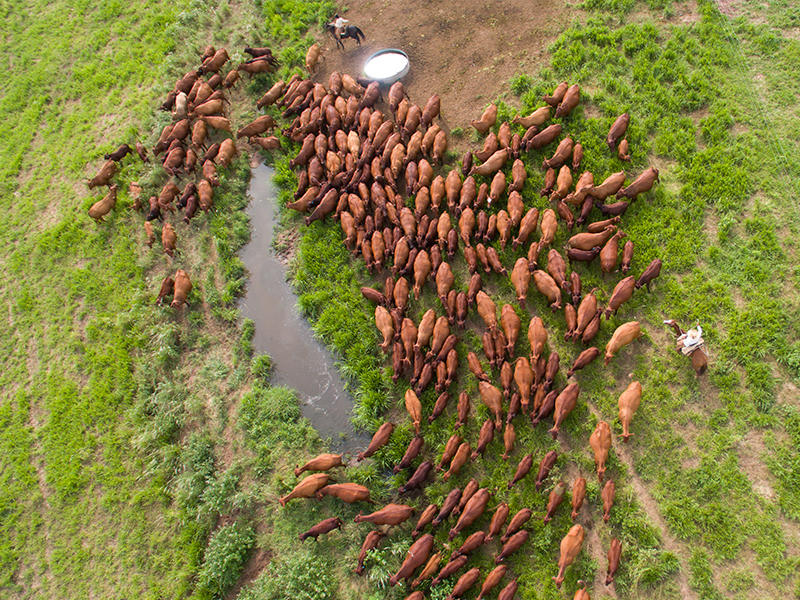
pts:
[351, 31]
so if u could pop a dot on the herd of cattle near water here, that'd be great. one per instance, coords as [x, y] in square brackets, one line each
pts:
[376, 174]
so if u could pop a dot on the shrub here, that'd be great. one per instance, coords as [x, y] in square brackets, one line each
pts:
[303, 575]
[225, 557]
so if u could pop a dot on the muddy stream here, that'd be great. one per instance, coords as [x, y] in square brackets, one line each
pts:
[300, 360]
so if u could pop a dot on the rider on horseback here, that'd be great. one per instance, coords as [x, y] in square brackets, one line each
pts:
[339, 25]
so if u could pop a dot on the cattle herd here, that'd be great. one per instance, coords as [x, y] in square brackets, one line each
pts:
[198, 128]
[382, 175]
[376, 173]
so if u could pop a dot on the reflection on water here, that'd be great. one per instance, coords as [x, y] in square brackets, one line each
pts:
[300, 361]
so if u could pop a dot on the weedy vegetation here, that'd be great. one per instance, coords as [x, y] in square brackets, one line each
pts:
[142, 451]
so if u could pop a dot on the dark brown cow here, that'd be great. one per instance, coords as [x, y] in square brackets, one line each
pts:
[322, 528]
[370, 543]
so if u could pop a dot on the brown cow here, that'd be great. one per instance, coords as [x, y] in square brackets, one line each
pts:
[205, 193]
[623, 336]
[537, 337]
[544, 468]
[168, 239]
[215, 63]
[508, 592]
[379, 440]
[578, 495]
[570, 548]
[323, 462]
[102, 207]
[183, 285]
[103, 177]
[391, 514]
[642, 184]
[565, 402]
[561, 155]
[554, 501]
[412, 451]
[449, 569]
[464, 583]
[426, 518]
[512, 545]
[609, 490]
[570, 101]
[617, 131]
[498, 520]
[307, 487]
[611, 185]
[417, 480]
[600, 441]
[558, 94]
[487, 120]
[370, 543]
[485, 437]
[417, 556]
[523, 468]
[459, 460]
[472, 543]
[385, 324]
[492, 398]
[255, 66]
[492, 580]
[413, 405]
[629, 402]
[449, 504]
[614, 554]
[167, 289]
[473, 509]
[463, 409]
[322, 528]
[430, 568]
[652, 271]
[346, 492]
[261, 125]
[610, 252]
[509, 437]
[227, 150]
[585, 357]
[621, 294]
[548, 287]
[517, 521]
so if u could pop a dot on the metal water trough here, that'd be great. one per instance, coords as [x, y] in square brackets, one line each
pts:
[387, 66]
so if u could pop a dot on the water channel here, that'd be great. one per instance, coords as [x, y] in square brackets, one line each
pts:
[300, 360]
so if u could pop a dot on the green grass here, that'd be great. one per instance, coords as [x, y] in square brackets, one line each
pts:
[127, 432]
[695, 115]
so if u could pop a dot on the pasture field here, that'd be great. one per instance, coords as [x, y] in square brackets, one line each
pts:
[142, 451]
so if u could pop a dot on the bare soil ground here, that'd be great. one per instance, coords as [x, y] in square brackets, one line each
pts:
[467, 52]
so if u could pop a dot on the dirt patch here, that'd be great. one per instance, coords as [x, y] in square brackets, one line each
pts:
[650, 507]
[257, 563]
[465, 52]
[751, 451]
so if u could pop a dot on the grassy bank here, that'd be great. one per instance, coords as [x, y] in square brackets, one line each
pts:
[142, 451]
[715, 457]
